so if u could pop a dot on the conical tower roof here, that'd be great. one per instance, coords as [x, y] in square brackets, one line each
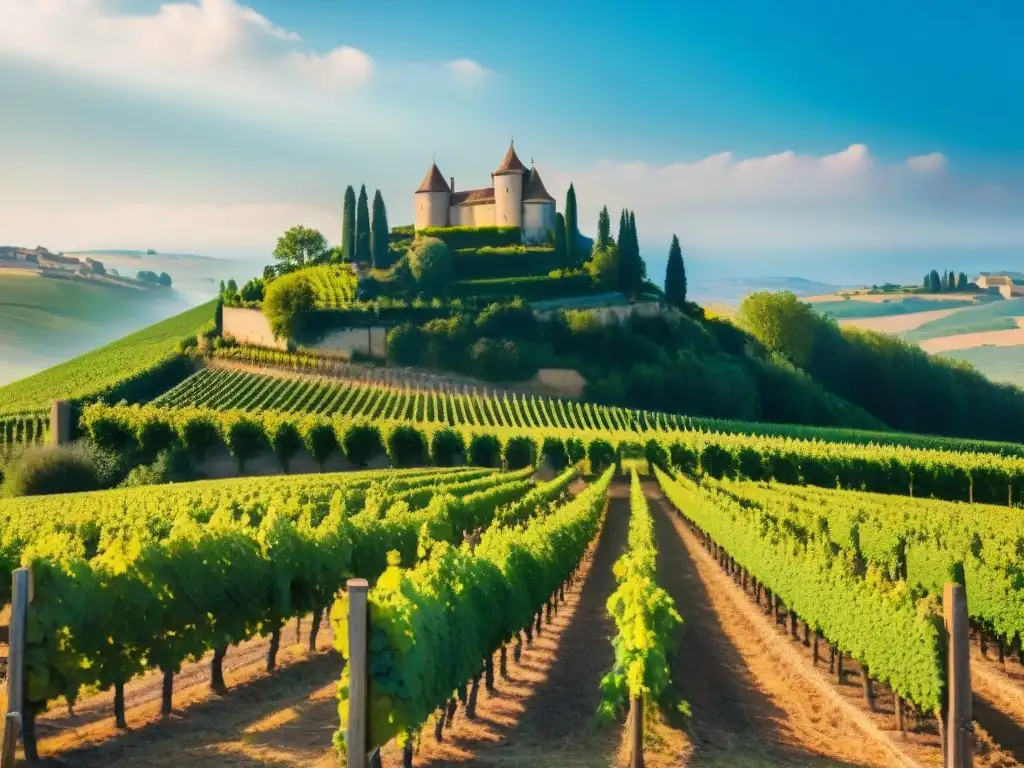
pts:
[434, 181]
[511, 163]
[535, 190]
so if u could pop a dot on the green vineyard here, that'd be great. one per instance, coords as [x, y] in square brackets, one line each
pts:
[206, 565]
[229, 389]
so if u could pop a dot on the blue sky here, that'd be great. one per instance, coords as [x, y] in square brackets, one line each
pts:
[746, 127]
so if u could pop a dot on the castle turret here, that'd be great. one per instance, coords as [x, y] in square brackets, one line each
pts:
[432, 201]
[508, 190]
[538, 210]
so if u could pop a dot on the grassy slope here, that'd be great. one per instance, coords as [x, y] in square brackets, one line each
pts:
[44, 321]
[860, 309]
[95, 371]
[997, 316]
[1001, 364]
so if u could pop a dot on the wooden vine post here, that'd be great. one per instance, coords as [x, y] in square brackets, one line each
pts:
[958, 688]
[358, 699]
[21, 585]
[636, 732]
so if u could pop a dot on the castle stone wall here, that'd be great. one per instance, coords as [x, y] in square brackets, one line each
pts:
[472, 215]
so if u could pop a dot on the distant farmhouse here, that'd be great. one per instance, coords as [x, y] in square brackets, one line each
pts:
[1002, 284]
[516, 198]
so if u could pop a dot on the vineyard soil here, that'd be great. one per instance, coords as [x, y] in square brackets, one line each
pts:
[747, 704]
[259, 718]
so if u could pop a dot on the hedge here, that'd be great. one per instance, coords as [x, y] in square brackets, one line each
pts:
[537, 288]
[457, 238]
[510, 261]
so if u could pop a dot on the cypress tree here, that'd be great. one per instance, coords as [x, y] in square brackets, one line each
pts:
[379, 232]
[348, 225]
[362, 227]
[934, 282]
[962, 282]
[675, 276]
[571, 229]
[561, 257]
[604, 229]
[952, 280]
[926, 283]
[631, 267]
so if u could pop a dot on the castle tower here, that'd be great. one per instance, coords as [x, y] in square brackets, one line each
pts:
[538, 210]
[508, 190]
[433, 199]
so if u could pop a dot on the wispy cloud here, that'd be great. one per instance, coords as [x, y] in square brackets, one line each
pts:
[468, 72]
[848, 198]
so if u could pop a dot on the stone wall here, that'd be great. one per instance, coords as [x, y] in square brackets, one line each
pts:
[605, 315]
[250, 326]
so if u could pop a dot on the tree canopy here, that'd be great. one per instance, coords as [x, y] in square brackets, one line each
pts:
[572, 256]
[299, 247]
[285, 304]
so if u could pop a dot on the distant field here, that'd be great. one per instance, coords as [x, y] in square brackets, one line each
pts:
[111, 365]
[44, 321]
[858, 308]
[995, 316]
[1002, 364]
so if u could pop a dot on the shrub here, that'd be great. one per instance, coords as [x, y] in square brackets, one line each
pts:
[519, 452]
[430, 261]
[320, 441]
[155, 436]
[601, 454]
[503, 262]
[288, 300]
[474, 237]
[445, 446]
[361, 443]
[45, 469]
[245, 440]
[533, 288]
[199, 434]
[405, 345]
[286, 442]
[575, 450]
[484, 451]
[171, 466]
[715, 460]
[111, 433]
[656, 455]
[496, 360]
[513, 319]
[684, 458]
[406, 446]
[553, 449]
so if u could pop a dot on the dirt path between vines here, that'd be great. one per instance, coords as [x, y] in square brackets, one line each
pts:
[749, 708]
[545, 715]
[262, 718]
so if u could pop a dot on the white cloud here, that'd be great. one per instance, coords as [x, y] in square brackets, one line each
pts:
[936, 161]
[786, 199]
[220, 52]
[468, 72]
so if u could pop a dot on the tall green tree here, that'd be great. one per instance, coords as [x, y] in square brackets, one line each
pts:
[572, 228]
[348, 225]
[952, 280]
[926, 284]
[604, 229]
[675, 275]
[362, 227]
[561, 257]
[379, 232]
[934, 282]
[945, 281]
[962, 282]
[300, 247]
[631, 266]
